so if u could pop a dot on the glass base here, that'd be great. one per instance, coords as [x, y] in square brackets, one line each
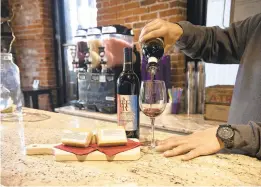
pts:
[149, 150]
[148, 147]
[152, 145]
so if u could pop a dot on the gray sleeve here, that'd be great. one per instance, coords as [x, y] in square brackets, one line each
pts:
[247, 138]
[216, 45]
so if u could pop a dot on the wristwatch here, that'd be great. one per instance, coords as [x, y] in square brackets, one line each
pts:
[226, 134]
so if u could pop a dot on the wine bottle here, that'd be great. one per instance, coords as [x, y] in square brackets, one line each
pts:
[153, 50]
[128, 97]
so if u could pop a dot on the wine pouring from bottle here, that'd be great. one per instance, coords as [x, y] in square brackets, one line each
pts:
[153, 50]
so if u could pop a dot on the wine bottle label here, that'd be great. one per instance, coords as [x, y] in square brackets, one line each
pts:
[128, 111]
[75, 137]
[113, 134]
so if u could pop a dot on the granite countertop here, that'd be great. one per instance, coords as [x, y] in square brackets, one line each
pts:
[181, 123]
[36, 126]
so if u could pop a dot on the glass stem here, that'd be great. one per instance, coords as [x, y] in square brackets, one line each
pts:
[153, 143]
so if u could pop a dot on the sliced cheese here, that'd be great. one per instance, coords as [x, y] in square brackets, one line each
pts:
[111, 136]
[77, 139]
[94, 131]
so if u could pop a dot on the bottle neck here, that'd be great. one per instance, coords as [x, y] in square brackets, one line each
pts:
[152, 60]
[152, 66]
[127, 66]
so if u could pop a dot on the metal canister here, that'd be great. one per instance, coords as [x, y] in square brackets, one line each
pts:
[190, 100]
[201, 80]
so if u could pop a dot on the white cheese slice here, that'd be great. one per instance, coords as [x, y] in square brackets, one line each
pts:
[77, 139]
[111, 136]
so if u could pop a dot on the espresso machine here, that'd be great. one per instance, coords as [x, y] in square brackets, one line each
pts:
[98, 64]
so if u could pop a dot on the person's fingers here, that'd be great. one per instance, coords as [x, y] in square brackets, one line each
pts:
[153, 34]
[170, 145]
[160, 142]
[193, 154]
[173, 138]
[150, 28]
[153, 22]
[148, 25]
[170, 139]
[182, 149]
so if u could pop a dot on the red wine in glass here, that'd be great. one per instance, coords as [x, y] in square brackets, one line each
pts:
[152, 112]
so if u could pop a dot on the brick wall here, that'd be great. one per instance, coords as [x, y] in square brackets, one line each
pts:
[136, 13]
[33, 29]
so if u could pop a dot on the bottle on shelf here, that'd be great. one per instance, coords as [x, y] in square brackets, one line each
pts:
[153, 50]
[128, 97]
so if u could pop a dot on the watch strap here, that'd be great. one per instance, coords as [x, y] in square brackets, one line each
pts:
[228, 143]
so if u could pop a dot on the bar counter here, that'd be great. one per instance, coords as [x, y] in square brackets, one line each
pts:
[181, 123]
[36, 126]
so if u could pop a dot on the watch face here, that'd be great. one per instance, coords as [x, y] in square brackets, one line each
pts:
[226, 133]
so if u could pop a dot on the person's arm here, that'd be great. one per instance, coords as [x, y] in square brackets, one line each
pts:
[216, 45]
[247, 138]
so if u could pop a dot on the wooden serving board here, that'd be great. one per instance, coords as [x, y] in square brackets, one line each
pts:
[60, 155]
[40, 149]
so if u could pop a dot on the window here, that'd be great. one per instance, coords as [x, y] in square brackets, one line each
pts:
[77, 14]
[218, 14]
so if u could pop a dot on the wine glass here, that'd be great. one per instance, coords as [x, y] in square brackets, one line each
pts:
[152, 100]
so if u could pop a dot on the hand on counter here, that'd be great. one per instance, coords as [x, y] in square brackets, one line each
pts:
[191, 146]
[171, 32]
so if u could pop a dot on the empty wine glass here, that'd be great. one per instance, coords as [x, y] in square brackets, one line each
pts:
[152, 99]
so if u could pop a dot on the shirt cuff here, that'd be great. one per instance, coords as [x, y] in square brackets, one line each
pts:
[246, 138]
[186, 38]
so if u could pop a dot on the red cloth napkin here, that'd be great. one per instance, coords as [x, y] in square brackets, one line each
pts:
[109, 151]
[76, 150]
